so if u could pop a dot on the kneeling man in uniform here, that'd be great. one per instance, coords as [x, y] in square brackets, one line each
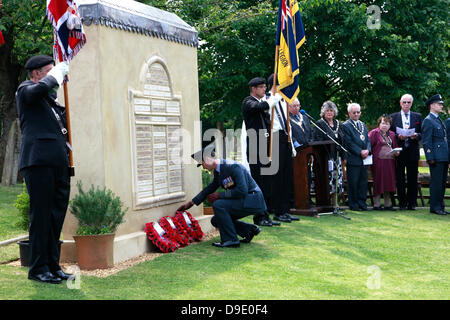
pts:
[242, 197]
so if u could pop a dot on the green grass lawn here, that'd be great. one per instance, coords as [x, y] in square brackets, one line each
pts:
[8, 214]
[315, 258]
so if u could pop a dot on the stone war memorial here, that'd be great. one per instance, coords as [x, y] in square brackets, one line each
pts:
[134, 106]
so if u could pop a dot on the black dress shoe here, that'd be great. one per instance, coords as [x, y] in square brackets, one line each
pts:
[61, 274]
[254, 232]
[293, 218]
[391, 208]
[264, 223]
[439, 212]
[282, 218]
[378, 208]
[46, 277]
[227, 244]
[354, 208]
[411, 208]
[274, 223]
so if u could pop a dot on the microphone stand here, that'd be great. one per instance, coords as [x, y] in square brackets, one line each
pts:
[337, 210]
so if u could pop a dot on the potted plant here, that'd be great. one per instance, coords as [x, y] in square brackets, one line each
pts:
[99, 213]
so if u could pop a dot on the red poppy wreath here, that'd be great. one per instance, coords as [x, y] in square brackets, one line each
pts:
[159, 237]
[190, 224]
[178, 235]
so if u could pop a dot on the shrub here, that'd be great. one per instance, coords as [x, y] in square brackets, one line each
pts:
[98, 211]
[22, 204]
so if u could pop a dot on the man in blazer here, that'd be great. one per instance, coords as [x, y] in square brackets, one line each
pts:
[44, 164]
[257, 125]
[242, 198]
[409, 156]
[358, 146]
[435, 146]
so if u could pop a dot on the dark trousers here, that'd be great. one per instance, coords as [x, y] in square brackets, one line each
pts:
[438, 179]
[282, 180]
[406, 190]
[226, 217]
[49, 190]
[264, 184]
[262, 181]
[357, 186]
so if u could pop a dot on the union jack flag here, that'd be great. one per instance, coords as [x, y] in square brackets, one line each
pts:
[68, 30]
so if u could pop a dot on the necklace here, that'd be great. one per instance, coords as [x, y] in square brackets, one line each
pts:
[387, 139]
[299, 123]
[337, 127]
[361, 135]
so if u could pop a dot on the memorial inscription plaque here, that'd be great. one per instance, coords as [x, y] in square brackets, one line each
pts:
[157, 142]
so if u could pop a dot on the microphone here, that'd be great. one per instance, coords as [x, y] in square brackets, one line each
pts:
[304, 113]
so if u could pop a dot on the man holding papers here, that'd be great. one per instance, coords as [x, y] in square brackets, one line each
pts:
[407, 127]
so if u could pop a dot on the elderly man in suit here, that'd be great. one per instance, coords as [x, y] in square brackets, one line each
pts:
[409, 156]
[358, 145]
[242, 198]
[435, 145]
[44, 164]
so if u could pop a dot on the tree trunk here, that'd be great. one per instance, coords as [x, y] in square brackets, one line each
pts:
[11, 160]
[9, 81]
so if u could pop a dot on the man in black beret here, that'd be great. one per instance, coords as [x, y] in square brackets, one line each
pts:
[242, 198]
[44, 164]
[435, 146]
[257, 129]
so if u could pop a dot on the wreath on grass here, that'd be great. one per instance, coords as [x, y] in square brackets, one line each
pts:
[160, 238]
[178, 235]
[190, 224]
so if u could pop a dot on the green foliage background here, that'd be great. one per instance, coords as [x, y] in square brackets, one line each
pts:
[342, 59]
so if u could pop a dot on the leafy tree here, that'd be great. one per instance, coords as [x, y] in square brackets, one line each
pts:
[343, 59]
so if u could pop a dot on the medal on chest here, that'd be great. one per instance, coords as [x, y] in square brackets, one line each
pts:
[227, 183]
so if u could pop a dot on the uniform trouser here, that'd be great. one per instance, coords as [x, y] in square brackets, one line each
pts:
[438, 178]
[409, 197]
[255, 170]
[263, 183]
[49, 189]
[227, 213]
[357, 186]
[282, 180]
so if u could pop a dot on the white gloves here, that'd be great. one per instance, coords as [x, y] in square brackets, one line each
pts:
[59, 71]
[273, 100]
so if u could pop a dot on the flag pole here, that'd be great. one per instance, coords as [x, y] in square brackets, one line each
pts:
[277, 48]
[69, 129]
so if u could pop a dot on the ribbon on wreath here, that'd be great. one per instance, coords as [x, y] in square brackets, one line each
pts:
[190, 224]
[175, 234]
[159, 237]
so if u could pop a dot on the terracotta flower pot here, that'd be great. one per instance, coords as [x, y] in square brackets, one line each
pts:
[95, 252]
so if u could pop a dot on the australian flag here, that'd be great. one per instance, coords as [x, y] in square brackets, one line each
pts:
[290, 37]
[69, 34]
